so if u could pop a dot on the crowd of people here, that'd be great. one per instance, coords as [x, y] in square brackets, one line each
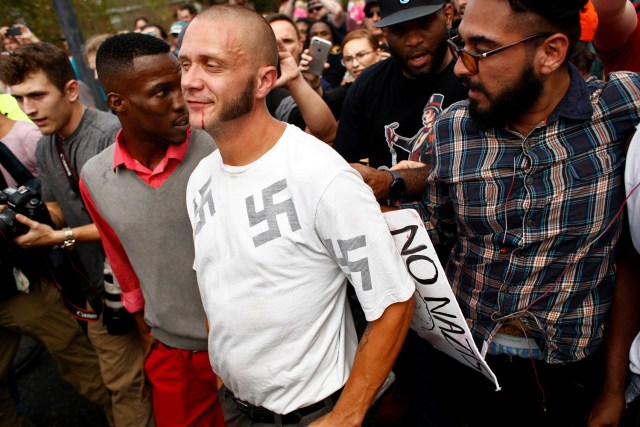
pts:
[213, 250]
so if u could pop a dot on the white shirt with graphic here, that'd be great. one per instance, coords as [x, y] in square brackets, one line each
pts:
[274, 243]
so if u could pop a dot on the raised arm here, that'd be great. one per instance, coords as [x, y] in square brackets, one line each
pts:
[336, 12]
[617, 21]
[315, 112]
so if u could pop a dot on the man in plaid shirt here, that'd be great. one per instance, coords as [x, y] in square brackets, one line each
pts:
[526, 185]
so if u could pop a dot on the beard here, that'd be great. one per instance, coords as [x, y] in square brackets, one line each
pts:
[509, 104]
[241, 105]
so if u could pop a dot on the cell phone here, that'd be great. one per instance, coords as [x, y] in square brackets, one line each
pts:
[319, 51]
[13, 31]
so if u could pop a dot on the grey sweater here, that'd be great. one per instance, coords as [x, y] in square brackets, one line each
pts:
[154, 229]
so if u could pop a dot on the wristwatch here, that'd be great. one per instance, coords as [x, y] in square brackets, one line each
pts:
[398, 187]
[69, 240]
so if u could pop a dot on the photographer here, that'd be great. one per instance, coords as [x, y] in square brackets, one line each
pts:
[29, 305]
[42, 80]
[15, 36]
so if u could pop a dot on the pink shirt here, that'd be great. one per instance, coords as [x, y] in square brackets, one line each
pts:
[22, 140]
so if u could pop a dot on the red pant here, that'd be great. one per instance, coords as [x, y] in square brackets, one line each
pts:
[183, 388]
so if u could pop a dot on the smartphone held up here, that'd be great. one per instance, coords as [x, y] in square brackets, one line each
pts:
[319, 50]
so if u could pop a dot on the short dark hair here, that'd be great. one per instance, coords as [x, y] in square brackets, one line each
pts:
[337, 38]
[559, 16]
[582, 57]
[191, 8]
[115, 56]
[274, 17]
[34, 57]
[305, 20]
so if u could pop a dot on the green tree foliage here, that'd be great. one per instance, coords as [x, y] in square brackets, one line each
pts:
[100, 16]
[40, 17]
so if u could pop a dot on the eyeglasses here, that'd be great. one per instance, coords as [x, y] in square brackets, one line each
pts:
[348, 60]
[315, 9]
[471, 60]
[369, 13]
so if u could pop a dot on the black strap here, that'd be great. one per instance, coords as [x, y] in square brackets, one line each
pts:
[68, 169]
[16, 169]
[87, 288]
[75, 285]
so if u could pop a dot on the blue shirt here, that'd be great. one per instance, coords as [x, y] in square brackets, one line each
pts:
[533, 218]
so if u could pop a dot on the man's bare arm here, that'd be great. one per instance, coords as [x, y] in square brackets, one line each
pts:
[336, 12]
[315, 112]
[415, 180]
[622, 325]
[617, 21]
[42, 235]
[377, 351]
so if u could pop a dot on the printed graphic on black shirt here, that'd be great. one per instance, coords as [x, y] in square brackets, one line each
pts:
[419, 146]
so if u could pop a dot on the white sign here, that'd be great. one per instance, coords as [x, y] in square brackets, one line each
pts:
[437, 317]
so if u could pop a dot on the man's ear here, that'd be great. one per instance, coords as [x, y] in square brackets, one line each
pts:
[448, 14]
[72, 90]
[267, 77]
[552, 53]
[116, 103]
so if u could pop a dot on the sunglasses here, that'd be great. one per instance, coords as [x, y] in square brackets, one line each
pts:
[315, 9]
[472, 60]
[369, 13]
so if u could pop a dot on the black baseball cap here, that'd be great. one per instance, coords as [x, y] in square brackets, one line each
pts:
[397, 11]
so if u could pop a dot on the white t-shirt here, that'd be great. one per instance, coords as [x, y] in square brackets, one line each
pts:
[631, 181]
[274, 243]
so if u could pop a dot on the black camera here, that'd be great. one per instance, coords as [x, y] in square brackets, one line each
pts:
[13, 31]
[23, 201]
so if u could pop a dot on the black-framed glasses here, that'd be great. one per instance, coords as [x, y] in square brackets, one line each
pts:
[348, 60]
[369, 13]
[471, 60]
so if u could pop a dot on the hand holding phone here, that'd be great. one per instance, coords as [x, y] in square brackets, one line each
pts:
[319, 51]
[13, 31]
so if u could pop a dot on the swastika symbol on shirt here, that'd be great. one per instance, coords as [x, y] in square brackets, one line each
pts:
[205, 199]
[270, 213]
[359, 266]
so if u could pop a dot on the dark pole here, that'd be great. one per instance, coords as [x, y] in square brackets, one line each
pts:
[73, 34]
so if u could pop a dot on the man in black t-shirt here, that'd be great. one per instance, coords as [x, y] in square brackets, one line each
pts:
[391, 102]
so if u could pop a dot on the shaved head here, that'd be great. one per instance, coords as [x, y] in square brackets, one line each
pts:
[257, 33]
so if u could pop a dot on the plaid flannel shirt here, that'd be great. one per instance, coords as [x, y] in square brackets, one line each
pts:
[520, 209]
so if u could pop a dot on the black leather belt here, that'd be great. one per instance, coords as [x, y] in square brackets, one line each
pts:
[258, 414]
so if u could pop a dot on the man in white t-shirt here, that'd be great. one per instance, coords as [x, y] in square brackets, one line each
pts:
[280, 222]
[632, 185]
